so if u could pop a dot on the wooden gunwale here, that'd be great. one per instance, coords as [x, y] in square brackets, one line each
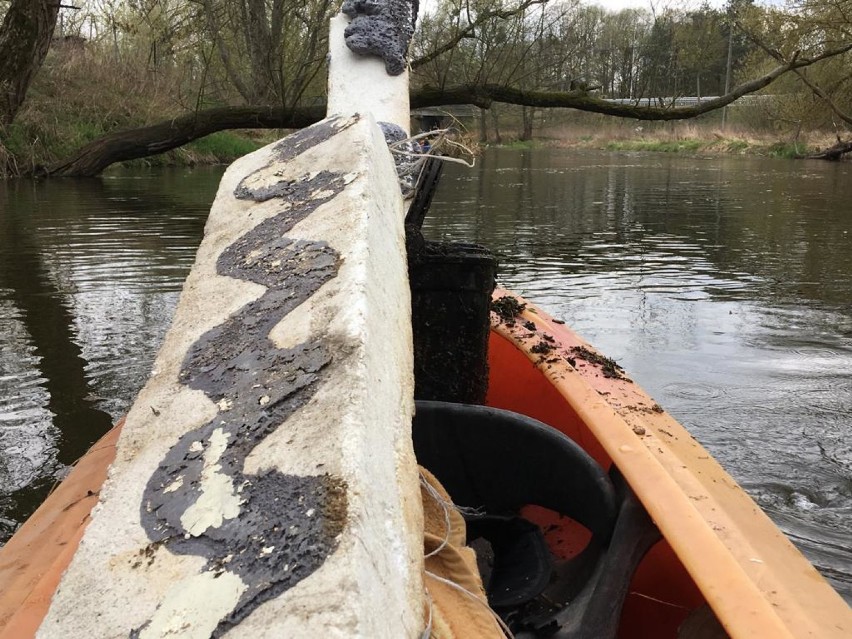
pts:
[33, 560]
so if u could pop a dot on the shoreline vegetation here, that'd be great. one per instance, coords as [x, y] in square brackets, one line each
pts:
[99, 97]
[224, 147]
[686, 139]
[101, 83]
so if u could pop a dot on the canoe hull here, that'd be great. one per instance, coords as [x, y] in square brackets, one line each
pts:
[33, 560]
[718, 546]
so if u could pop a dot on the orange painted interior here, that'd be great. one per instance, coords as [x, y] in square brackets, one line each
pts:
[662, 592]
[515, 384]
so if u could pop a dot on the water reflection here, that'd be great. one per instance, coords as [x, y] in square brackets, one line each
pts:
[90, 271]
[722, 285]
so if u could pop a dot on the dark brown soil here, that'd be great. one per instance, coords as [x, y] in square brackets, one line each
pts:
[609, 367]
[542, 348]
[507, 308]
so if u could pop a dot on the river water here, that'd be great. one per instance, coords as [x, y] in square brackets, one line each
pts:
[724, 286]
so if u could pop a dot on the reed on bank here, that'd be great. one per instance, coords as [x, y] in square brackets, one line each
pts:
[692, 138]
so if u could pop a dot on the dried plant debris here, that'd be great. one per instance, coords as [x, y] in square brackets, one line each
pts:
[507, 309]
[542, 348]
[609, 367]
[407, 156]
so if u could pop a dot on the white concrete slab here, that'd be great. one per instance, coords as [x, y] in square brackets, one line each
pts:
[265, 483]
[360, 84]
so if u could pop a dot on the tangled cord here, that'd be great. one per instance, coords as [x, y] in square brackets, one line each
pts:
[446, 505]
[410, 157]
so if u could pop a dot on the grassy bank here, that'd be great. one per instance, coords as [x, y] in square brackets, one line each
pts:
[691, 139]
[717, 145]
[28, 148]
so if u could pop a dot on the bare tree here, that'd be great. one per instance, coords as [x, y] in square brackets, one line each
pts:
[24, 40]
[271, 51]
[480, 52]
[823, 95]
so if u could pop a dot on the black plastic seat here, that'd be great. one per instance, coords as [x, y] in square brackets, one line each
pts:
[500, 461]
[495, 462]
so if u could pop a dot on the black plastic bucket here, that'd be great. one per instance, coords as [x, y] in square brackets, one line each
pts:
[451, 286]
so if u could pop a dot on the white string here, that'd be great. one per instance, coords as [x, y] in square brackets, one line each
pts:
[506, 631]
[434, 494]
[445, 507]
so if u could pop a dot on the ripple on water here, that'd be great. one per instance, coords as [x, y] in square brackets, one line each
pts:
[693, 390]
[115, 252]
[815, 519]
[26, 433]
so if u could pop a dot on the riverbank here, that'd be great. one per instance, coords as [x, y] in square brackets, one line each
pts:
[79, 96]
[41, 136]
[690, 139]
[29, 147]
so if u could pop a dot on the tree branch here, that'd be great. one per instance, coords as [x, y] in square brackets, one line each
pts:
[825, 97]
[483, 96]
[471, 28]
[833, 153]
[813, 87]
[165, 136]
[224, 52]
[159, 138]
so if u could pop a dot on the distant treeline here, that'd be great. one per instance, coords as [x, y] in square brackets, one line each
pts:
[122, 64]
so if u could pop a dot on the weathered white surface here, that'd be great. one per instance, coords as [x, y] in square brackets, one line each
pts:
[356, 427]
[360, 84]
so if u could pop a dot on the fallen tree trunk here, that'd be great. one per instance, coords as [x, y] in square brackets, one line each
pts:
[165, 136]
[833, 153]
